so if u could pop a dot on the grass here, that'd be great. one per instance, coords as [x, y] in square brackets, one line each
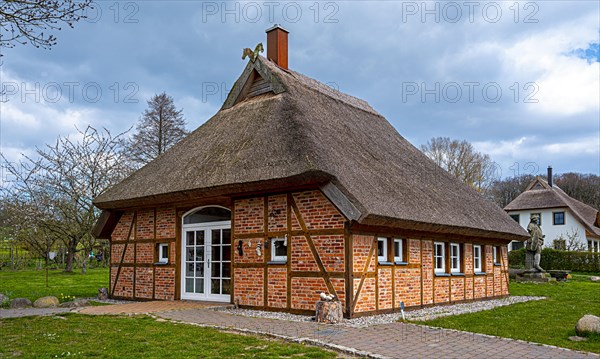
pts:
[135, 337]
[32, 284]
[550, 321]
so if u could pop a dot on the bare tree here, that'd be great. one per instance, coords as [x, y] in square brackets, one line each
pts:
[582, 187]
[160, 127]
[55, 191]
[460, 159]
[23, 21]
[502, 192]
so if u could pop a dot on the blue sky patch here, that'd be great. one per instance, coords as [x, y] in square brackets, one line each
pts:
[591, 54]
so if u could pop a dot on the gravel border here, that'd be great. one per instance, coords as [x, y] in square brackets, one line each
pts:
[413, 315]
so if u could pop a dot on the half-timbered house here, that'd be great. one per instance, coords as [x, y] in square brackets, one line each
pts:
[292, 189]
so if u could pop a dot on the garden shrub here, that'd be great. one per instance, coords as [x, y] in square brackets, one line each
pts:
[557, 259]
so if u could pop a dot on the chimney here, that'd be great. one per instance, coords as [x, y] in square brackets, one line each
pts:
[550, 176]
[277, 45]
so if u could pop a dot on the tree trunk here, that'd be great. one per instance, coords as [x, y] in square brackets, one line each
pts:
[84, 264]
[70, 259]
[328, 312]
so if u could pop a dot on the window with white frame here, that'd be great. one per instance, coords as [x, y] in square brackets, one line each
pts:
[455, 264]
[496, 253]
[279, 249]
[439, 256]
[163, 253]
[382, 253]
[398, 250]
[477, 267]
[558, 218]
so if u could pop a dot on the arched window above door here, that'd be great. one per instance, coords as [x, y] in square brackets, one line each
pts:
[208, 214]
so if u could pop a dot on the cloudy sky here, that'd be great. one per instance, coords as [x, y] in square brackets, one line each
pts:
[519, 80]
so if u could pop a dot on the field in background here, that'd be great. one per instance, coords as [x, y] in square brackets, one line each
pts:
[32, 284]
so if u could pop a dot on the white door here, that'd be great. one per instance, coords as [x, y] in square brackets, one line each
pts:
[206, 261]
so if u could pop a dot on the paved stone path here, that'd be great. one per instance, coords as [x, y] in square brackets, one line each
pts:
[148, 307]
[395, 340]
[28, 312]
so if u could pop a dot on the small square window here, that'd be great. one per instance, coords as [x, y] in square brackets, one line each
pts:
[279, 249]
[382, 254]
[398, 250]
[163, 253]
[477, 267]
[516, 217]
[496, 254]
[455, 264]
[439, 257]
[558, 218]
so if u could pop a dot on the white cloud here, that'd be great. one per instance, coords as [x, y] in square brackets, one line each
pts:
[567, 85]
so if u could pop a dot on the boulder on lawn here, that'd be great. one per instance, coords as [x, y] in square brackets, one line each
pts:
[77, 303]
[588, 324]
[18, 303]
[595, 279]
[46, 302]
[3, 299]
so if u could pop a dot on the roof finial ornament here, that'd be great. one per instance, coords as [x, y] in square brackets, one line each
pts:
[253, 55]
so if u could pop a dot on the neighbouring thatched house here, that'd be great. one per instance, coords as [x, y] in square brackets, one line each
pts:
[565, 221]
[293, 189]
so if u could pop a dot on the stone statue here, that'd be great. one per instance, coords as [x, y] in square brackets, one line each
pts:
[534, 246]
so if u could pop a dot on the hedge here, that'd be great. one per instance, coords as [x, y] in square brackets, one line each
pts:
[557, 259]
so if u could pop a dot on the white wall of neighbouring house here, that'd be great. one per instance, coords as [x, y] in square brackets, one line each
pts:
[550, 230]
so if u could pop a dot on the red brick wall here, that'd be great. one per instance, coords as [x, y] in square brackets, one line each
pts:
[408, 286]
[489, 268]
[366, 299]
[145, 224]
[331, 251]
[151, 281]
[249, 286]
[318, 214]
[277, 287]
[166, 219]
[479, 289]
[306, 291]
[249, 215]
[124, 286]
[164, 283]
[427, 270]
[249, 247]
[441, 290]
[145, 253]
[277, 213]
[457, 288]
[302, 257]
[416, 284]
[143, 282]
[122, 228]
[385, 287]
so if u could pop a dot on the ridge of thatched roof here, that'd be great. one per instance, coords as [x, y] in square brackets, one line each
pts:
[304, 132]
[540, 195]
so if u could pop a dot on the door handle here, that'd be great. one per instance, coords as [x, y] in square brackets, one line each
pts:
[208, 262]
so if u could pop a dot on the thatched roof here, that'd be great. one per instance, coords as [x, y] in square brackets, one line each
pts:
[296, 132]
[540, 195]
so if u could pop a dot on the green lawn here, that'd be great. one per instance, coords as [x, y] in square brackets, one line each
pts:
[549, 321]
[135, 337]
[32, 284]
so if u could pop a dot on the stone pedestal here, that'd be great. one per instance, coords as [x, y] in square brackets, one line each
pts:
[328, 312]
[529, 260]
[535, 277]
